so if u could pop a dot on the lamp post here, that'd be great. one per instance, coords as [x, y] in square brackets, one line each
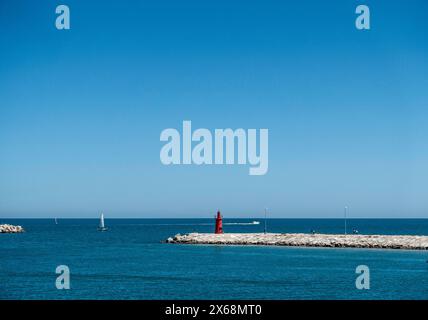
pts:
[265, 220]
[346, 212]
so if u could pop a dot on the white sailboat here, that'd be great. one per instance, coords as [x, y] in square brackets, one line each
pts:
[102, 227]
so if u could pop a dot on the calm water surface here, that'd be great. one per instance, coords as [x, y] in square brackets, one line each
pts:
[130, 262]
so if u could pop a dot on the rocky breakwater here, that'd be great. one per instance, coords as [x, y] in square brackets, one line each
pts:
[306, 240]
[8, 228]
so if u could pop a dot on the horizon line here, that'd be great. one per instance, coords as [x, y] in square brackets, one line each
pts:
[208, 218]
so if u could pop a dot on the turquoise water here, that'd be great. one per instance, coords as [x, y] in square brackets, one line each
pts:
[130, 262]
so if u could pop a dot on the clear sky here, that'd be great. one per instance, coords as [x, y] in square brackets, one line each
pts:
[81, 110]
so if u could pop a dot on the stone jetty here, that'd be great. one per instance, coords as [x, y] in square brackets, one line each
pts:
[306, 240]
[8, 228]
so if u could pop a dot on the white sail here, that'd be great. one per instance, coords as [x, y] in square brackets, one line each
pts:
[102, 221]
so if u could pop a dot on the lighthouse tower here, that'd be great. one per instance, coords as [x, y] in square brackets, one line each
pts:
[218, 223]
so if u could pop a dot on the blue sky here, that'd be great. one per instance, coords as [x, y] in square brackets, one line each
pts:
[81, 110]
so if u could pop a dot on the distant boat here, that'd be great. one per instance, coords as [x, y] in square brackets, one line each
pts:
[252, 223]
[102, 226]
[56, 221]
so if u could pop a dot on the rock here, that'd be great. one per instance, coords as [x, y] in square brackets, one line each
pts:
[8, 228]
[306, 240]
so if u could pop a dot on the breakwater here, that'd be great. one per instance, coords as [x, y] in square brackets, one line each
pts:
[306, 240]
[8, 228]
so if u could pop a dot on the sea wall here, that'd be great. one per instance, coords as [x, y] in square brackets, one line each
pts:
[8, 228]
[306, 240]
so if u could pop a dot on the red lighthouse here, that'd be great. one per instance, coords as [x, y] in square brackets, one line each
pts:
[218, 223]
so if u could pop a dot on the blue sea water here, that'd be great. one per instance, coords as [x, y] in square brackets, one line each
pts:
[130, 262]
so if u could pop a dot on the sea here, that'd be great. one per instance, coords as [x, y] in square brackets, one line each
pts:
[131, 261]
